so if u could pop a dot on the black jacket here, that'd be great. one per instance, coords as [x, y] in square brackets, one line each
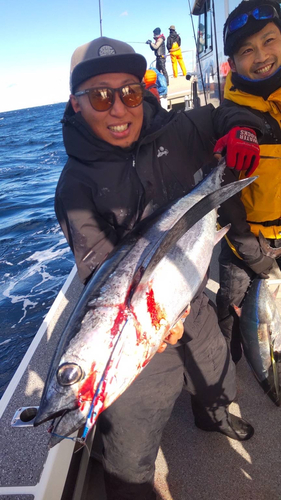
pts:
[104, 190]
[172, 38]
[158, 46]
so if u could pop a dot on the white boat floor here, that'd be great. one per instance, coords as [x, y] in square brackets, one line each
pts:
[191, 464]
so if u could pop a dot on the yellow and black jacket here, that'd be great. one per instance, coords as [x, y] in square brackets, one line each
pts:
[258, 207]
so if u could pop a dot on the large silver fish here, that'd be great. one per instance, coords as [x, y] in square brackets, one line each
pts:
[260, 326]
[129, 307]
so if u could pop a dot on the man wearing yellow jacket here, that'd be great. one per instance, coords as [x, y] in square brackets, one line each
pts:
[252, 40]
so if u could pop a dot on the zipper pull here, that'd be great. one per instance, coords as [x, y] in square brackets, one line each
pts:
[134, 161]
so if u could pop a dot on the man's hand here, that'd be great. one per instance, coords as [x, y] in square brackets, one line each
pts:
[242, 149]
[149, 42]
[175, 333]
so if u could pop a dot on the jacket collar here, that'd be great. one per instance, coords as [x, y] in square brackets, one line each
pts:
[271, 105]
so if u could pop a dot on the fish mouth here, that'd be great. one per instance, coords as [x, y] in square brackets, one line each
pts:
[43, 415]
[64, 426]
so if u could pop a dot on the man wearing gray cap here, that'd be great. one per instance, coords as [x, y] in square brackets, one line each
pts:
[127, 157]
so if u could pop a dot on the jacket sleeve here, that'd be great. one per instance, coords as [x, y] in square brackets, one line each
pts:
[240, 238]
[169, 43]
[230, 115]
[243, 242]
[156, 45]
[89, 236]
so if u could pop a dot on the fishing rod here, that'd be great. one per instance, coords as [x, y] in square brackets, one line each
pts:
[100, 18]
[197, 54]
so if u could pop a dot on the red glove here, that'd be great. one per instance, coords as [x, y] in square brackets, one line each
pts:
[242, 149]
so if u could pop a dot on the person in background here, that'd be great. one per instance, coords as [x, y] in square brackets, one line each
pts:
[174, 48]
[160, 52]
[127, 157]
[150, 79]
[252, 40]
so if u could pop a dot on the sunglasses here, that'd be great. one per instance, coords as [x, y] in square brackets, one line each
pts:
[260, 13]
[102, 99]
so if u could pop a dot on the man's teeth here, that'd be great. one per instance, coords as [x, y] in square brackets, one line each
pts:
[264, 70]
[119, 128]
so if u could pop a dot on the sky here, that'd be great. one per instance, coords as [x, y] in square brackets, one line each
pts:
[38, 37]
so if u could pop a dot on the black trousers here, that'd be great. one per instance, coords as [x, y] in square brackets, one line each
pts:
[161, 66]
[132, 426]
[235, 278]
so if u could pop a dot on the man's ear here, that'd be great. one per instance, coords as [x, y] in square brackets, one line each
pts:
[74, 103]
[232, 65]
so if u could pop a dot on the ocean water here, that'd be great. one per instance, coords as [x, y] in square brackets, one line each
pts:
[34, 256]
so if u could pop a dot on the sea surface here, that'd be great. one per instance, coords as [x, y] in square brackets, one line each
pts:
[34, 256]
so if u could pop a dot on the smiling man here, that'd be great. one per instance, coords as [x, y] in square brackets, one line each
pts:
[127, 156]
[252, 40]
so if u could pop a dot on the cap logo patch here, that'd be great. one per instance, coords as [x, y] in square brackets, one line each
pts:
[106, 50]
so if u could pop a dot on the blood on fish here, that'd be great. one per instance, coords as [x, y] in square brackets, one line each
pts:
[141, 336]
[119, 320]
[145, 362]
[155, 311]
[86, 392]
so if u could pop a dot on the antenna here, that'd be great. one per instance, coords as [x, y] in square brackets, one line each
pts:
[100, 18]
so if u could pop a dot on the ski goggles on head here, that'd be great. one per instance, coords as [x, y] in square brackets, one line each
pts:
[260, 13]
[103, 98]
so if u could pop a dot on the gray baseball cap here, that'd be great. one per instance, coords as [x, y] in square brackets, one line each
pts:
[104, 55]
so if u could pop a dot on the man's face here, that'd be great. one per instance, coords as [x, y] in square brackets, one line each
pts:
[260, 55]
[120, 125]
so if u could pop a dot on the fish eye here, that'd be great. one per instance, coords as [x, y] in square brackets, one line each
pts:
[69, 374]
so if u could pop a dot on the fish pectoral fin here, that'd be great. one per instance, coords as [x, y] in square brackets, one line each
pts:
[221, 233]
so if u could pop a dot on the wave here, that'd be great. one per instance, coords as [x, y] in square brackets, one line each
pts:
[34, 256]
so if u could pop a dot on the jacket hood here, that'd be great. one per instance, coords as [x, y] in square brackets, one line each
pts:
[270, 105]
[81, 142]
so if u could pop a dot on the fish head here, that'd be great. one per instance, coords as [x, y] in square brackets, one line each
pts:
[74, 378]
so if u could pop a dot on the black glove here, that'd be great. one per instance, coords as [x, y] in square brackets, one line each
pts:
[263, 267]
[149, 42]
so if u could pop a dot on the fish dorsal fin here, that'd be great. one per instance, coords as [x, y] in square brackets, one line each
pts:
[191, 217]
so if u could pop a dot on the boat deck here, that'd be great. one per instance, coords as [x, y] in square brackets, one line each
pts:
[191, 464]
[179, 92]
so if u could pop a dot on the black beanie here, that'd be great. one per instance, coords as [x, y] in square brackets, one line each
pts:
[235, 39]
[157, 31]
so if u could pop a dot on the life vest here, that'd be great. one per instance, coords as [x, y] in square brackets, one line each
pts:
[262, 198]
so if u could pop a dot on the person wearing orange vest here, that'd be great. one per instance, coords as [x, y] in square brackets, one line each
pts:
[150, 78]
[173, 46]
